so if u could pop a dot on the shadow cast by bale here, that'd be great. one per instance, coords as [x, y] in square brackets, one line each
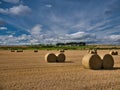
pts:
[114, 68]
[69, 62]
[66, 62]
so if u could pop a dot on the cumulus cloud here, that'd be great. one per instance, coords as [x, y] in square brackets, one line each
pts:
[16, 10]
[36, 30]
[12, 1]
[13, 40]
[3, 28]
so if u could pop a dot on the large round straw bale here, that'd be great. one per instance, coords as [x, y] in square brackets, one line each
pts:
[60, 57]
[107, 61]
[92, 61]
[50, 57]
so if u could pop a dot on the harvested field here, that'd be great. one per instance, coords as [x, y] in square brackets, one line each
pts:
[29, 71]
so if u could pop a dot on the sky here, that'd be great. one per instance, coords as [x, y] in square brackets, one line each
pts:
[59, 21]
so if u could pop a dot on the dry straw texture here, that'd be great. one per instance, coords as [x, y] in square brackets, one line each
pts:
[107, 61]
[92, 61]
[50, 57]
[60, 57]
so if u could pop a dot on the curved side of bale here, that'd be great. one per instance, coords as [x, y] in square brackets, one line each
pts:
[92, 61]
[107, 61]
[60, 57]
[50, 57]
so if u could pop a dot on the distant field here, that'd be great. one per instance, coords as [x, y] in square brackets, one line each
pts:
[27, 70]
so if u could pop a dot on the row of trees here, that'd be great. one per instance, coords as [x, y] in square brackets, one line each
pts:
[72, 44]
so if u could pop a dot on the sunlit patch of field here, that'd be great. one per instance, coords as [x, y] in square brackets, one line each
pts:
[28, 71]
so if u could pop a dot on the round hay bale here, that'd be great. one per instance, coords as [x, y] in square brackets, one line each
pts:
[112, 52]
[12, 50]
[50, 57]
[62, 51]
[115, 53]
[107, 61]
[35, 50]
[20, 50]
[60, 57]
[93, 52]
[92, 61]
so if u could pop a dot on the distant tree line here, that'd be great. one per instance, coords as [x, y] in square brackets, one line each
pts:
[71, 44]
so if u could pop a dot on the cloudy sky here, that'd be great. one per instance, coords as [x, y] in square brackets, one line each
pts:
[53, 21]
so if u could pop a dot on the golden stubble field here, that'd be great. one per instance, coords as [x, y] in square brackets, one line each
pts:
[28, 71]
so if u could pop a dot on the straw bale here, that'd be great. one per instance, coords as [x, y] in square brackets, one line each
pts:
[92, 61]
[115, 53]
[35, 50]
[12, 50]
[107, 61]
[50, 57]
[60, 57]
[92, 51]
[62, 51]
[19, 50]
[112, 52]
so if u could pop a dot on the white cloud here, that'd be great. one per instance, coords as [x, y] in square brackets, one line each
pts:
[12, 1]
[114, 37]
[16, 10]
[81, 36]
[36, 30]
[48, 5]
[19, 10]
[3, 28]
[34, 41]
